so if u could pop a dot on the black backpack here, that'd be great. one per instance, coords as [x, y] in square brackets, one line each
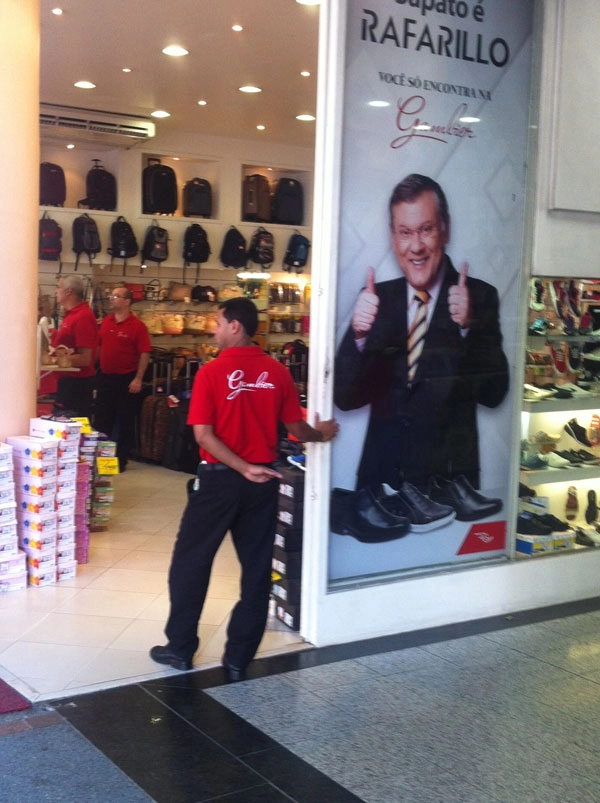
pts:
[50, 239]
[101, 189]
[86, 239]
[287, 204]
[197, 198]
[53, 188]
[156, 244]
[233, 250]
[196, 248]
[159, 188]
[262, 246]
[296, 254]
[123, 243]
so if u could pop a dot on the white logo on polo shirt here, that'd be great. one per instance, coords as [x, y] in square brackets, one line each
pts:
[237, 384]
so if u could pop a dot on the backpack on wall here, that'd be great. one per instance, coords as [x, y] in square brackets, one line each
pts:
[233, 250]
[101, 189]
[86, 239]
[53, 188]
[196, 248]
[159, 188]
[156, 244]
[287, 204]
[261, 248]
[50, 239]
[256, 198]
[296, 253]
[123, 242]
[197, 198]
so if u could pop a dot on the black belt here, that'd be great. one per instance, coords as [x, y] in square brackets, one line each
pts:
[211, 467]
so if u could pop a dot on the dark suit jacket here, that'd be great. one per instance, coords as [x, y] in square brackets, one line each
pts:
[431, 427]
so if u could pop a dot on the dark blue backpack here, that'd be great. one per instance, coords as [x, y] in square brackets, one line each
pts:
[296, 254]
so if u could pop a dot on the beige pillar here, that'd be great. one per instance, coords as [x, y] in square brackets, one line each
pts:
[19, 211]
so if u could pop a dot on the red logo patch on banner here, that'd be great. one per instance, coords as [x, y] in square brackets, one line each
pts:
[487, 537]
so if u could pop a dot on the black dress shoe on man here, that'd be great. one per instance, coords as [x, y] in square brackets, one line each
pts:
[358, 513]
[423, 514]
[234, 673]
[468, 503]
[165, 655]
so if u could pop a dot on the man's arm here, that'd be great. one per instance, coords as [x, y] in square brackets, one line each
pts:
[322, 431]
[81, 358]
[206, 438]
[136, 383]
[486, 361]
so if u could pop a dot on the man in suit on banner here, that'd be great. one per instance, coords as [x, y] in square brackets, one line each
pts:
[423, 350]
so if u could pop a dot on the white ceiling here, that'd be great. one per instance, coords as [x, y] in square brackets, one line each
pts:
[94, 39]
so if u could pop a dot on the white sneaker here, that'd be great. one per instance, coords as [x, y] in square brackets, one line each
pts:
[586, 536]
[555, 460]
[537, 394]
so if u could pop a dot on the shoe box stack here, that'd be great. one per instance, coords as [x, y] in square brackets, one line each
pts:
[538, 531]
[82, 511]
[287, 551]
[13, 567]
[103, 492]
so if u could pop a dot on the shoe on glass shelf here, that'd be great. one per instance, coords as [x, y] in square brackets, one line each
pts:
[557, 525]
[572, 504]
[555, 460]
[574, 298]
[577, 432]
[539, 327]
[528, 524]
[591, 511]
[533, 462]
[536, 295]
[558, 296]
[585, 536]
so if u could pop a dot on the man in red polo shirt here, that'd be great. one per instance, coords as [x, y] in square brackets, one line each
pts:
[236, 405]
[124, 356]
[78, 331]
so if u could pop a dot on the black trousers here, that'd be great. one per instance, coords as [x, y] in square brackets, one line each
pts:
[115, 405]
[75, 395]
[225, 501]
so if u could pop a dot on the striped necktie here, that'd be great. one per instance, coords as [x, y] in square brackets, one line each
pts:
[416, 335]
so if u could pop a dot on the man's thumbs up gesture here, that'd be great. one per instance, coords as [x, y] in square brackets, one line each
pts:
[366, 307]
[459, 300]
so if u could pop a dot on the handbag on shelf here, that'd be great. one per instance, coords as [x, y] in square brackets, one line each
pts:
[179, 292]
[153, 321]
[172, 323]
[137, 291]
[152, 290]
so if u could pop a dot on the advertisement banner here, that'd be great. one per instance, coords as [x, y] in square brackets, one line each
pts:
[432, 198]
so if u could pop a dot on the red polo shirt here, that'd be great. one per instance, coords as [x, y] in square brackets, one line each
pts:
[122, 343]
[243, 395]
[79, 330]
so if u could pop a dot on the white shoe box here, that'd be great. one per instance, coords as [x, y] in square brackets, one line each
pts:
[65, 555]
[7, 494]
[15, 564]
[8, 530]
[14, 582]
[6, 453]
[9, 547]
[66, 571]
[65, 521]
[8, 511]
[67, 471]
[38, 450]
[41, 544]
[564, 541]
[534, 544]
[34, 468]
[61, 429]
[65, 503]
[35, 504]
[66, 487]
[68, 451]
[40, 561]
[31, 486]
[65, 539]
[41, 577]
[36, 523]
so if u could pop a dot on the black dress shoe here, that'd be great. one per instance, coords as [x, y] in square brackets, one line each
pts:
[358, 513]
[165, 655]
[423, 514]
[234, 673]
[469, 504]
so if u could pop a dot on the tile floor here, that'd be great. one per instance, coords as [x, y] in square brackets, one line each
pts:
[94, 631]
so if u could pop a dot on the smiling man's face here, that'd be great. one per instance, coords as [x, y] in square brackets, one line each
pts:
[419, 238]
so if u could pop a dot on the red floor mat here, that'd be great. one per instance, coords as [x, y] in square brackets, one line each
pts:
[11, 700]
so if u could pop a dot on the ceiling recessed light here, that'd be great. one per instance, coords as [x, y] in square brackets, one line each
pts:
[126, 69]
[306, 118]
[378, 104]
[160, 113]
[57, 11]
[85, 85]
[250, 89]
[261, 127]
[201, 103]
[237, 28]
[175, 50]
[70, 146]
[305, 74]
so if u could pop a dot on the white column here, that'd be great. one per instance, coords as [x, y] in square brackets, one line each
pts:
[19, 211]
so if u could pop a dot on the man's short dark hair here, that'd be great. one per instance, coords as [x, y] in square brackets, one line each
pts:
[414, 185]
[242, 310]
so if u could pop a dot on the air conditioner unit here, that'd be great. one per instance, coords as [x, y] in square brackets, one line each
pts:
[67, 122]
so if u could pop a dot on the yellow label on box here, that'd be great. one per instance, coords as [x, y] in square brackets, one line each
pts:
[107, 465]
[86, 427]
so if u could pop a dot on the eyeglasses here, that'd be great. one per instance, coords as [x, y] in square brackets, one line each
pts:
[424, 232]
[114, 295]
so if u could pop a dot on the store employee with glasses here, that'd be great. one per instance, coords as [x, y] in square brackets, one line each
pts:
[124, 356]
[423, 350]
